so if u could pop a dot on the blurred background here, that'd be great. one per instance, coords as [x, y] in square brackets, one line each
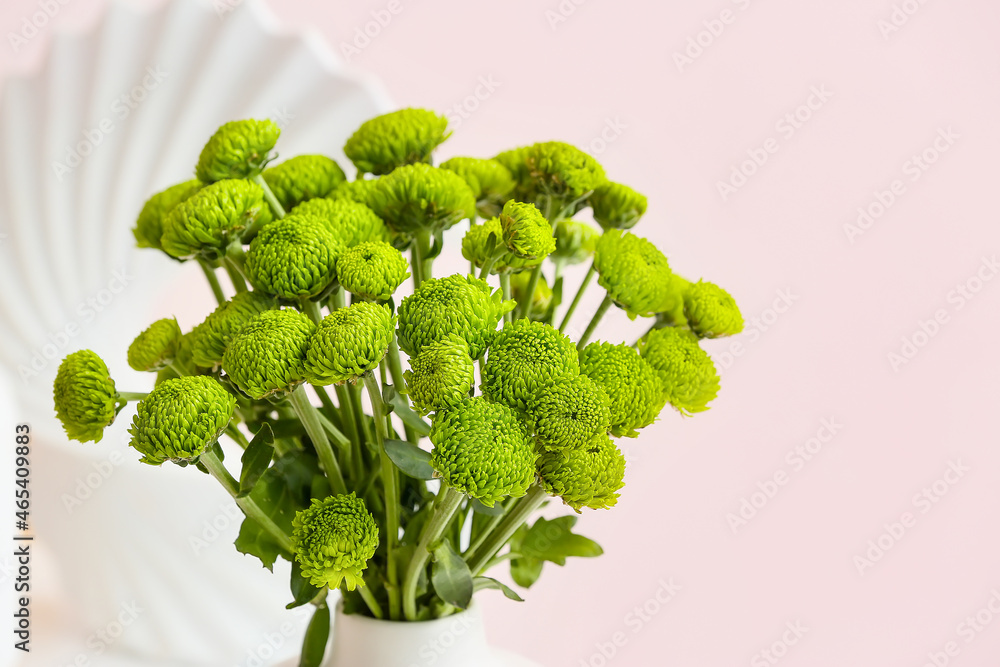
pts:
[832, 165]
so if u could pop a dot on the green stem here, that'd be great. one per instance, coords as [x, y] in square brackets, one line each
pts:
[213, 281]
[373, 605]
[505, 290]
[311, 308]
[530, 291]
[396, 372]
[279, 210]
[603, 308]
[238, 436]
[448, 502]
[579, 295]
[132, 395]
[418, 252]
[390, 484]
[347, 418]
[309, 417]
[239, 284]
[488, 529]
[247, 504]
[506, 529]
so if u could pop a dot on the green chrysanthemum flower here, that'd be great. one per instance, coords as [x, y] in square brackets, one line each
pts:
[686, 371]
[483, 450]
[180, 418]
[523, 357]
[294, 258]
[155, 348]
[208, 340]
[562, 172]
[267, 356]
[441, 375]
[526, 232]
[541, 299]
[182, 362]
[671, 311]
[210, 219]
[475, 248]
[568, 412]
[85, 396]
[710, 311]
[238, 149]
[372, 270]
[589, 476]
[395, 139]
[358, 191]
[334, 538]
[421, 197]
[635, 274]
[302, 178]
[352, 223]
[490, 182]
[149, 225]
[460, 305]
[617, 206]
[575, 242]
[348, 343]
[636, 394]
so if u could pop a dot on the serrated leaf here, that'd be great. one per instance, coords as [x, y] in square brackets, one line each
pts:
[409, 458]
[302, 591]
[409, 417]
[317, 636]
[553, 540]
[256, 458]
[480, 583]
[451, 577]
[525, 571]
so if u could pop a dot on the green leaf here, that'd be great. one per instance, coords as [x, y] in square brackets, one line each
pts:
[281, 491]
[525, 571]
[256, 459]
[409, 458]
[317, 636]
[553, 540]
[451, 576]
[302, 591]
[479, 508]
[406, 413]
[479, 583]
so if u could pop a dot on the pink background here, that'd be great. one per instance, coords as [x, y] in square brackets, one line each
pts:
[681, 130]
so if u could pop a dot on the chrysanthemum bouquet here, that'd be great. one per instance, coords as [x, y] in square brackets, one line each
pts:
[343, 486]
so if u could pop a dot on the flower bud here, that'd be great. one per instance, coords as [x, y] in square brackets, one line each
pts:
[208, 340]
[617, 206]
[210, 219]
[490, 182]
[293, 258]
[348, 343]
[395, 139]
[334, 538]
[149, 225]
[441, 375]
[372, 270]
[575, 241]
[476, 248]
[635, 274]
[302, 178]
[629, 381]
[526, 233]
[238, 149]
[710, 311]
[523, 357]
[588, 476]
[686, 371]
[155, 348]
[267, 356]
[557, 170]
[85, 396]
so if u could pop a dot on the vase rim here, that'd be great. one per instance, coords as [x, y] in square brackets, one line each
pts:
[361, 618]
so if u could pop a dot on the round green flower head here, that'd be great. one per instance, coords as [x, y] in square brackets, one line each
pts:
[589, 476]
[617, 206]
[569, 412]
[441, 375]
[208, 340]
[461, 305]
[541, 300]
[267, 356]
[155, 348]
[632, 270]
[85, 396]
[210, 219]
[710, 311]
[483, 450]
[686, 371]
[302, 178]
[526, 232]
[348, 343]
[334, 538]
[352, 223]
[523, 357]
[561, 171]
[395, 139]
[421, 197]
[359, 191]
[476, 249]
[149, 225]
[372, 270]
[238, 149]
[633, 386]
[575, 241]
[293, 258]
[490, 182]
[180, 418]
